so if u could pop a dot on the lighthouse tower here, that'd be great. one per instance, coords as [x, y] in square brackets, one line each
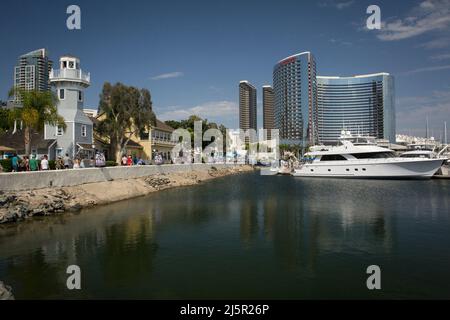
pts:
[69, 83]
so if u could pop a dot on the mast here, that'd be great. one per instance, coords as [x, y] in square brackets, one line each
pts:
[445, 132]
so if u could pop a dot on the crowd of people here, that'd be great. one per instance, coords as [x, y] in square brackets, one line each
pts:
[131, 161]
[31, 163]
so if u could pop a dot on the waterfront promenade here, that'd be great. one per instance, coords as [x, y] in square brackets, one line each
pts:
[17, 181]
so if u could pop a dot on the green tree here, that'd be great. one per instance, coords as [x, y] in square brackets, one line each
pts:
[127, 113]
[36, 109]
[5, 120]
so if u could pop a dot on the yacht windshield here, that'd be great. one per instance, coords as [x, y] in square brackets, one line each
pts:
[374, 155]
[332, 157]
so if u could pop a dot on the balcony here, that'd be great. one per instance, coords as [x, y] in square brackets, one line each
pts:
[75, 75]
[162, 141]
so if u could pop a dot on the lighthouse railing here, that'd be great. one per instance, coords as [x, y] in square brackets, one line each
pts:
[76, 74]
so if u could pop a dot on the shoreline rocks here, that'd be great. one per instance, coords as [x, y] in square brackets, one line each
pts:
[22, 205]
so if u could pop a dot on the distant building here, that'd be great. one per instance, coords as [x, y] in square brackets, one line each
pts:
[268, 110]
[145, 145]
[247, 106]
[294, 84]
[161, 140]
[32, 71]
[91, 112]
[69, 83]
[362, 104]
[13, 142]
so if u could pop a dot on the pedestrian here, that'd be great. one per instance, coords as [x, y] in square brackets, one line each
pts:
[34, 166]
[15, 162]
[124, 160]
[44, 163]
[59, 163]
[129, 161]
[76, 164]
[67, 161]
[27, 163]
[22, 164]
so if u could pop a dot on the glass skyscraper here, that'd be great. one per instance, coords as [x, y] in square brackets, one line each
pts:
[362, 104]
[295, 89]
[32, 71]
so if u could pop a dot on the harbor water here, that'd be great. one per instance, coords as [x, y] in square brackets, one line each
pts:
[239, 237]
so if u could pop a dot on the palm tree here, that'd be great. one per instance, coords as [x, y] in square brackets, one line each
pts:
[37, 109]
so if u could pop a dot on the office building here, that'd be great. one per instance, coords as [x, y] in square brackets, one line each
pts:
[247, 106]
[294, 85]
[32, 71]
[268, 110]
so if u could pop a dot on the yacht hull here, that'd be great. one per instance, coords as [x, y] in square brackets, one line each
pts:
[387, 169]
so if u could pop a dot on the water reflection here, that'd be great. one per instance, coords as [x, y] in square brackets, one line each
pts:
[242, 236]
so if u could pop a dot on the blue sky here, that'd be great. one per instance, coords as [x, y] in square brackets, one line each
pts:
[192, 54]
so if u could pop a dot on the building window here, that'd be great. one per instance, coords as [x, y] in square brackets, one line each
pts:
[59, 130]
[62, 93]
[80, 95]
[83, 130]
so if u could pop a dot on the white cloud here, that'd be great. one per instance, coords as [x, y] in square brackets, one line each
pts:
[169, 75]
[336, 4]
[440, 57]
[428, 16]
[426, 69]
[220, 111]
[340, 42]
[438, 43]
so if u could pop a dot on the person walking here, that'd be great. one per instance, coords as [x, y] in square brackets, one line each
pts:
[67, 161]
[34, 166]
[124, 160]
[44, 163]
[76, 164]
[26, 163]
[15, 162]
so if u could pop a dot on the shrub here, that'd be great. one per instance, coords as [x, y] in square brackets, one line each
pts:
[110, 163]
[51, 164]
[6, 165]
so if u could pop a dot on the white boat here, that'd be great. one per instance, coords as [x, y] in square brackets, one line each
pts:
[364, 160]
[272, 170]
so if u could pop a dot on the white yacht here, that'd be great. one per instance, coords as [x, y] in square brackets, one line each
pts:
[356, 157]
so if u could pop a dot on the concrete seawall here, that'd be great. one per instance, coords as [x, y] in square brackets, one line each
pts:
[17, 181]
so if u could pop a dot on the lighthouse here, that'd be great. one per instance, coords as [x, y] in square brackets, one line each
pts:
[69, 83]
